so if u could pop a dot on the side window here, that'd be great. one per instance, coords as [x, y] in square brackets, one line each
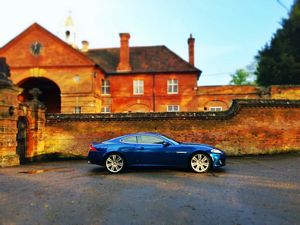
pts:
[147, 139]
[131, 139]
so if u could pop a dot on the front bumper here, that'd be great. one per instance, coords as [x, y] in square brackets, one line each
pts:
[218, 160]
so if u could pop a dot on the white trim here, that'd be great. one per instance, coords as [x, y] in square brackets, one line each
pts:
[215, 108]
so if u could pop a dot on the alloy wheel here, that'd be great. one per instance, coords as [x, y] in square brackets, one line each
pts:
[114, 163]
[200, 163]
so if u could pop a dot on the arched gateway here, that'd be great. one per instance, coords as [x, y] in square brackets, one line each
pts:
[50, 92]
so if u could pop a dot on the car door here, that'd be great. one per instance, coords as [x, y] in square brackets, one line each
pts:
[178, 155]
[128, 149]
[150, 150]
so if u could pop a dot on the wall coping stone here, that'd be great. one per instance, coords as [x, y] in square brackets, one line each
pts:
[237, 104]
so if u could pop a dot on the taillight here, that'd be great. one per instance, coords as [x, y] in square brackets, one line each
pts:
[92, 148]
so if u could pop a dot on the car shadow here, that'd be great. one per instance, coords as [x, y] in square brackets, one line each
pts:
[217, 172]
[101, 170]
[149, 170]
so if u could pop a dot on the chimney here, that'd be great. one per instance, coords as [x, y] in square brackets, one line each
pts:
[191, 42]
[85, 46]
[124, 64]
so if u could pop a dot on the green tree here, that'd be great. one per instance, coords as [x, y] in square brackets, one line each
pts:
[279, 61]
[241, 77]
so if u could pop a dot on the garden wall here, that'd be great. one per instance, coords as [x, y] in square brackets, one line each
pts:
[248, 127]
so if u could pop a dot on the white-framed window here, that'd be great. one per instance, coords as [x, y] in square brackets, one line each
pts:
[105, 109]
[77, 109]
[173, 108]
[215, 108]
[105, 87]
[172, 86]
[138, 87]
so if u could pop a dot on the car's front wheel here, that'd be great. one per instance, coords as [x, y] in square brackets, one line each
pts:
[114, 163]
[200, 163]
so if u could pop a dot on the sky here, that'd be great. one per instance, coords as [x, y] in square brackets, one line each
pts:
[228, 33]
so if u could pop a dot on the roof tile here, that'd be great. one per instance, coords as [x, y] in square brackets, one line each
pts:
[142, 59]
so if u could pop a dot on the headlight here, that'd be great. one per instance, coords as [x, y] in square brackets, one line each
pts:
[216, 151]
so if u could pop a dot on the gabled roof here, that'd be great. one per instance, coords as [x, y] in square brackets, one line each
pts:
[150, 59]
[40, 33]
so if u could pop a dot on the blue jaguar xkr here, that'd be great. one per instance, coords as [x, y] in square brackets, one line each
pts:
[153, 149]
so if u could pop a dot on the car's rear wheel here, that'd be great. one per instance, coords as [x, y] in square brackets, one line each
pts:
[114, 163]
[200, 163]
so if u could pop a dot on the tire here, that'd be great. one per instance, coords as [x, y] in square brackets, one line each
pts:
[200, 163]
[114, 163]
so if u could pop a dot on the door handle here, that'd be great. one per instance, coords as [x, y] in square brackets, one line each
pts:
[140, 148]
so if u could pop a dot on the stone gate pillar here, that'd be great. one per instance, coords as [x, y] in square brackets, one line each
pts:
[36, 122]
[8, 117]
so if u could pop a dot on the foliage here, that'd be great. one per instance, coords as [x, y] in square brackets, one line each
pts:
[241, 77]
[279, 62]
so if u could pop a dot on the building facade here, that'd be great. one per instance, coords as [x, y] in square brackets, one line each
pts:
[116, 80]
[124, 79]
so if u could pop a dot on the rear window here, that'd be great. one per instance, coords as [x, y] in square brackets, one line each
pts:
[131, 139]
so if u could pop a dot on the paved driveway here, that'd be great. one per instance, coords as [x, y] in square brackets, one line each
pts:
[250, 190]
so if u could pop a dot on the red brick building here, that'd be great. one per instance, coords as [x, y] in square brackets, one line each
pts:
[124, 79]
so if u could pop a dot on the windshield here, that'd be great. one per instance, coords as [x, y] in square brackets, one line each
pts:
[171, 140]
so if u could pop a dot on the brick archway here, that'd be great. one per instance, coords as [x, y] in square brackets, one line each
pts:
[51, 94]
[216, 103]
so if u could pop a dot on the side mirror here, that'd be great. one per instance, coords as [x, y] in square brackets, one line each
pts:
[165, 144]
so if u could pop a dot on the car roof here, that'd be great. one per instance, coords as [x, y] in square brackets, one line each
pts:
[148, 133]
[139, 133]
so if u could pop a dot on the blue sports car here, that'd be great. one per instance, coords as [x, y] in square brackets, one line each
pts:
[153, 149]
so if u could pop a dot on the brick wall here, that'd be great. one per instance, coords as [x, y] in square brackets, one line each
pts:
[248, 127]
[291, 92]
[222, 96]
